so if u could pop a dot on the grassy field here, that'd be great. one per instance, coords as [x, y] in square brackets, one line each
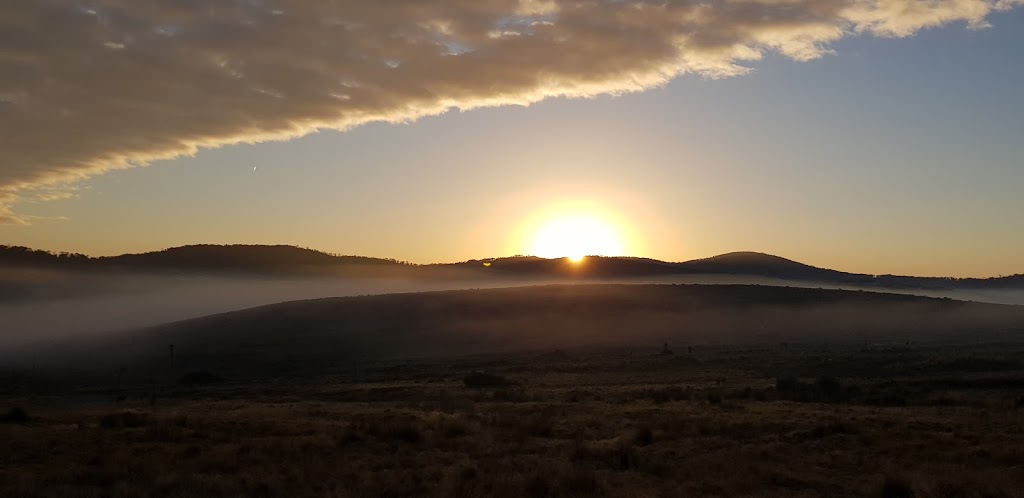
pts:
[770, 419]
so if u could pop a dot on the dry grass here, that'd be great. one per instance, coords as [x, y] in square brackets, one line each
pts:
[658, 428]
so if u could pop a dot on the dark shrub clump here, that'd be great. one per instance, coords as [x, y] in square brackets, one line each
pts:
[788, 384]
[894, 487]
[124, 420]
[200, 378]
[16, 415]
[669, 393]
[643, 436]
[484, 379]
[511, 395]
[829, 385]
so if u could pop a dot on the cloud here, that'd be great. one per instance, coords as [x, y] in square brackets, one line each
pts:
[92, 86]
[7, 216]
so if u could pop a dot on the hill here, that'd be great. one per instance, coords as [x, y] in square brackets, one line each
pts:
[199, 257]
[324, 333]
[241, 257]
[283, 259]
[755, 263]
[591, 267]
[735, 263]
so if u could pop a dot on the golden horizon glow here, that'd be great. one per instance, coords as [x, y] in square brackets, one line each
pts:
[576, 236]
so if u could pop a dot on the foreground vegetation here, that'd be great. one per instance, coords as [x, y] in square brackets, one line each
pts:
[768, 420]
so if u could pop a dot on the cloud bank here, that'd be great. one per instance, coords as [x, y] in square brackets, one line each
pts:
[88, 86]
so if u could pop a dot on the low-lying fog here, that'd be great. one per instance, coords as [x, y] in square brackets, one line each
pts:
[42, 305]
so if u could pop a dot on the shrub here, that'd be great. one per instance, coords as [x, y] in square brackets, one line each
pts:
[829, 385]
[563, 481]
[583, 482]
[617, 455]
[581, 395]
[180, 421]
[823, 431]
[825, 389]
[192, 451]
[669, 393]
[484, 379]
[199, 378]
[896, 488]
[16, 415]
[511, 395]
[403, 429]
[787, 384]
[538, 423]
[454, 404]
[643, 436]
[448, 426]
[123, 420]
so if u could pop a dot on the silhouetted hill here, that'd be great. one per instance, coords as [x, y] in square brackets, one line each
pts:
[240, 257]
[282, 259]
[736, 263]
[322, 333]
[592, 266]
[744, 263]
[21, 255]
[755, 263]
[200, 257]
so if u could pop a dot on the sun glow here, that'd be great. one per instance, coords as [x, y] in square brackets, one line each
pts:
[576, 237]
[573, 221]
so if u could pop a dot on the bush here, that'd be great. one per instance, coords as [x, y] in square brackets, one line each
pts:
[829, 385]
[616, 455]
[123, 420]
[451, 426]
[894, 487]
[403, 429]
[484, 379]
[788, 384]
[643, 436]
[669, 393]
[581, 395]
[825, 389]
[447, 403]
[199, 378]
[16, 415]
[835, 428]
[511, 395]
[563, 481]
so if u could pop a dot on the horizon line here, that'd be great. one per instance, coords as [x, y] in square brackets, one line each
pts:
[410, 263]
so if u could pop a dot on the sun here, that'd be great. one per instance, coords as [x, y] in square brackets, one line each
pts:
[575, 237]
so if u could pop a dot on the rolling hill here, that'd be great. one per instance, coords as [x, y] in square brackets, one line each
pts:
[324, 333]
[199, 257]
[291, 260]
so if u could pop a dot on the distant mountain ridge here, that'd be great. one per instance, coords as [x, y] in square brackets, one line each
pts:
[736, 263]
[273, 258]
[284, 259]
[207, 256]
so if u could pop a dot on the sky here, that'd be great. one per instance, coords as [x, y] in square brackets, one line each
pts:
[875, 137]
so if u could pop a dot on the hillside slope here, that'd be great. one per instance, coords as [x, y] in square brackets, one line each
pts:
[324, 333]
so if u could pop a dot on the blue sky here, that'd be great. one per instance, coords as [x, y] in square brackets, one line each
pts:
[888, 156]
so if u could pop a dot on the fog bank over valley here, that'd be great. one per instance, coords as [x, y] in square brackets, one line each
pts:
[39, 305]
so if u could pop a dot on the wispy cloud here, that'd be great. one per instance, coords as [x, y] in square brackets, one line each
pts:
[88, 87]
